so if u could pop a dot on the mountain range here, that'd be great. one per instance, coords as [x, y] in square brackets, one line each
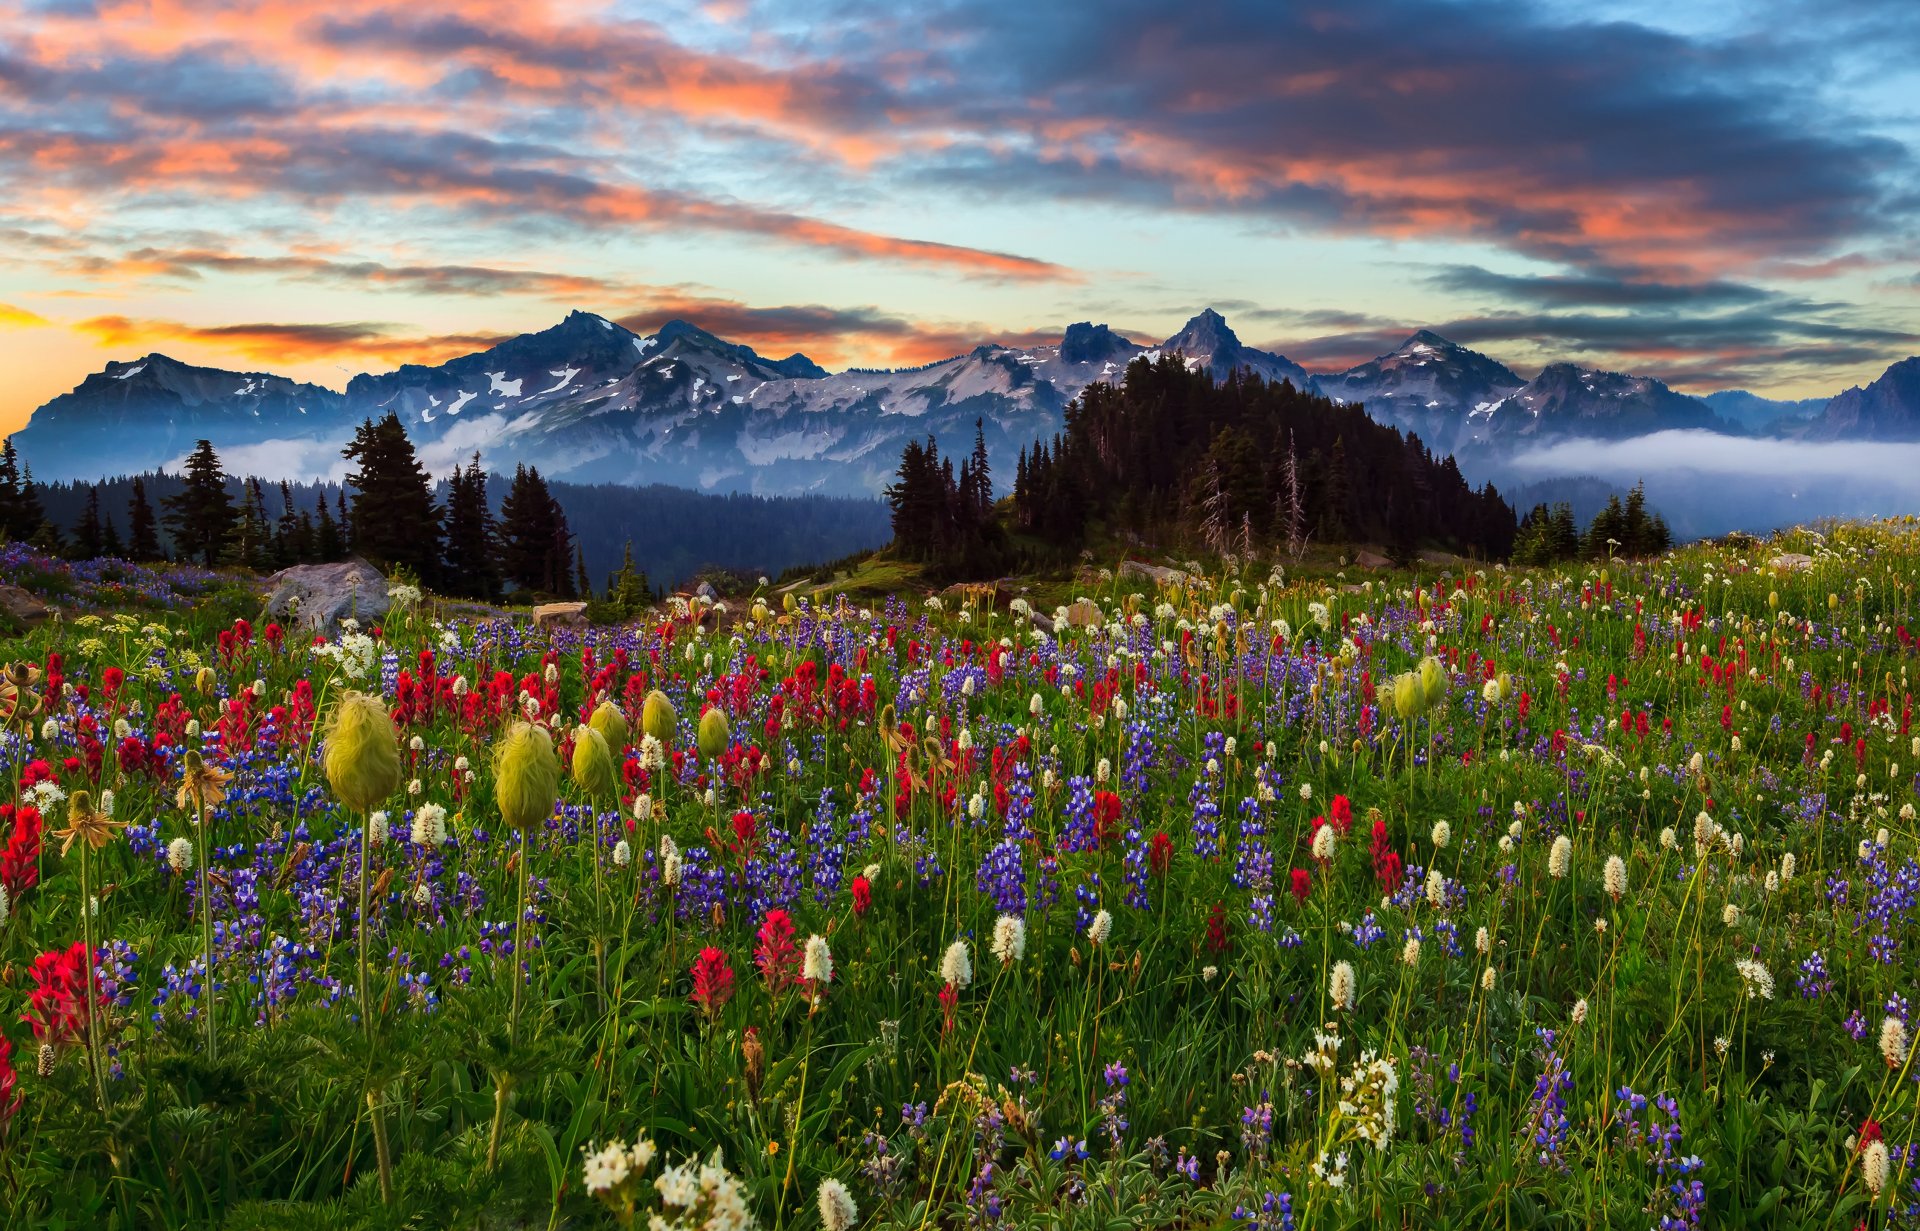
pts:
[591, 401]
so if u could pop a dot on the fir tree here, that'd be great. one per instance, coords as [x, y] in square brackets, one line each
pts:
[201, 518]
[535, 544]
[32, 513]
[471, 571]
[328, 543]
[628, 592]
[110, 544]
[395, 521]
[89, 536]
[252, 543]
[12, 520]
[143, 532]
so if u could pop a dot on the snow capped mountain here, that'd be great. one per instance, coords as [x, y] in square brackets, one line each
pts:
[155, 408]
[1428, 385]
[1569, 400]
[1206, 341]
[1460, 401]
[1887, 409]
[589, 400]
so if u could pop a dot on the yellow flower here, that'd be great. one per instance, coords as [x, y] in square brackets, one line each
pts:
[362, 756]
[86, 821]
[526, 776]
[201, 785]
[593, 768]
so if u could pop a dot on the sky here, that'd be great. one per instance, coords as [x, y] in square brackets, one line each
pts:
[1722, 195]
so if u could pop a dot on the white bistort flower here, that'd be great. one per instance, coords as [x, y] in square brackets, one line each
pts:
[1560, 858]
[956, 965]
[1009, 939]
[837, 1210]
[1340, 986]
[818, 966]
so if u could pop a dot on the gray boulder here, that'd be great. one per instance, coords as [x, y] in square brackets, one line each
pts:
[1158, 575]
[316, 597]
[560, 615]
[21, 608]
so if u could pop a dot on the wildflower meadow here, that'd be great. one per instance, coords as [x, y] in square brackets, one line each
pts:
[1248, 894]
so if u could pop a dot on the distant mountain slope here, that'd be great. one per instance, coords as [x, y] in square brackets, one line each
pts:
[1428, 385]
[1887, 409]
[590, 401]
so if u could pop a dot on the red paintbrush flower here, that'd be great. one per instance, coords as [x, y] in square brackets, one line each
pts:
[712, 982]
[775, 953]
[57, 1008]
[1160, 854]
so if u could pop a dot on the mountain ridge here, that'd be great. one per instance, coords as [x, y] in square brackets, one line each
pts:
[589, 400]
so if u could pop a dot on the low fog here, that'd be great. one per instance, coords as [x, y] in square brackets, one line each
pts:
[1707, 484]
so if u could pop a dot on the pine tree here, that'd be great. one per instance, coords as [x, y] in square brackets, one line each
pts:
[535, 544]
[1638, 536]
[10, 527]
[89, 536]
[32, 513]
[328, 545]
[627, 590]
[13, 523]
[252, 543]
[582, 584]
[143, 532]
[470, 571]
[285, 529]
[110, 544]
[981, 495]
[201, 517]
[395, 521]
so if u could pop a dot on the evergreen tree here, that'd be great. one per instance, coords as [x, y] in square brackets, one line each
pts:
[628, 591]
[143, 532]
[89, 536]
[328, 544]
[980, 496]
[201, 518]
[31, 512]
[536, 547]
[252, 543]
[1638, 536]
[471, 571]
[286, 528]
[12, 520]
[395, 521]
[582, 584]
[110, 544]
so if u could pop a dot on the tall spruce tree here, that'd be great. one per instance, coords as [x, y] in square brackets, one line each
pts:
[12, 515]
[252, 543]
[536, 547]
[143, 532]
[396, 524]
[201, 517]
[328, 543]
[471, 571]
[89, 537]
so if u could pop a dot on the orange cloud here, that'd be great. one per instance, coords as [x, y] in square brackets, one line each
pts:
[19, 318]
[289, 343]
